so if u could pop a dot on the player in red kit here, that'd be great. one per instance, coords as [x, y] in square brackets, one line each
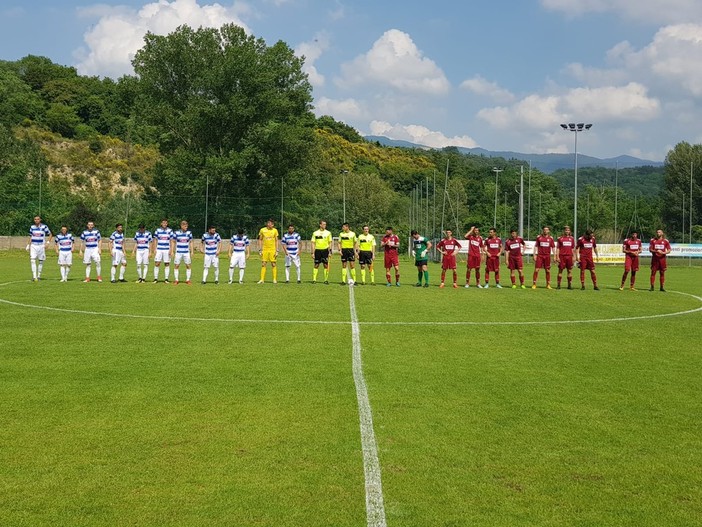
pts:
[584, 249]
[391, 246]
[493, 250]
[565, 245]
[449, 247]
[542, 255]
[632, 248]
[514, 246]
[475, 244]
[659, 248]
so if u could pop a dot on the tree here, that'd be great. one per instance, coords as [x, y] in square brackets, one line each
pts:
[236, 110]
[682, 162]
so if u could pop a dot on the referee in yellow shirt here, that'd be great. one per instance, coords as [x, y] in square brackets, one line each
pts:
[268, 237]
[348, 247]
[321, 251]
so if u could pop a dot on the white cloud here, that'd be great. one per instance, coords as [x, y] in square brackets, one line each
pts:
[608, 104]
[394, 60]
[656, 11]
[481, 86]
[342, 110]
[338, 12]
[118, 34]
[312, 51]
[419, 134]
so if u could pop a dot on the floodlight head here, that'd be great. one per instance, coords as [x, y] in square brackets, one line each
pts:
[564, 126]
[581, 126]
[588, 126]
[571, 126]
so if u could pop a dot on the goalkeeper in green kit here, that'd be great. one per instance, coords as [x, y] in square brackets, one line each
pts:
[420, 248]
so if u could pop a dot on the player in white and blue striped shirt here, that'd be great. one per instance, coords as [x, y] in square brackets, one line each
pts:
[143, 241]
[90, 250]
[211, 246]
[183, 251]
[117, 252]
[239, 252]
[163, 248]
[291, 247]
[38, 234]
[64, 249]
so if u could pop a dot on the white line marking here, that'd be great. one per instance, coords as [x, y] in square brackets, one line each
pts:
[346, 323]
[375, 510]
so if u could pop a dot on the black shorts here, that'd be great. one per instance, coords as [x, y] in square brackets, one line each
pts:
[365, 257]
[321, 256]
[420, 263]
[348, 255]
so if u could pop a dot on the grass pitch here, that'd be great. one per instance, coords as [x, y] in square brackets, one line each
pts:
[491, 407]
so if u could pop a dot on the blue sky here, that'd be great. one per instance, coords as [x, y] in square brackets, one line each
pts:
[497, 74]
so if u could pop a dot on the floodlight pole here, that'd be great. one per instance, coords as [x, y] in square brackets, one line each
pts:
[575, 128]
[497, 173]
[521, 201]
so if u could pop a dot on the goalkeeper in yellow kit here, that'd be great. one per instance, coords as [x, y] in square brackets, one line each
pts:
[268, 239]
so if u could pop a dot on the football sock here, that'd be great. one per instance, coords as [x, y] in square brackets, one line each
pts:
[419, 276]
[353, 274]
[216, 274]
[122, 270]
[34, 268]
[113, 272]
[145, 272]
[582, 277]
[363, 275]
[287, 274]
[372, 275]
[477, 276]
[275, 273]
[633, 278]
[343, 274]
[167, 272]
[40, 266]
[387, 276]
[205, 272]
[426, 277]
[662, 278]
[560, 277]
[548, 277]
[326, 274]
[176, 274]
[624, 278]
[536, 276]
[443, 275]
[521, 278]
[299, 271]
[231, 274]
[397, 276]
[188, 273]
[263, 274]
[570, 279]
[593, 276]
[241, 274]
[455, 277]
[514, 279]
[497, 278]
[653, 278]
[157, 268]
[87, 271]
[315, 271]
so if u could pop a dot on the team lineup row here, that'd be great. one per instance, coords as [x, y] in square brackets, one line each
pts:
[165, 244]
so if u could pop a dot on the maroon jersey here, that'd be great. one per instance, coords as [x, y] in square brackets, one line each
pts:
[391, 243]
[544, 244]
[474, 245]
[566, 245]
[514, 246]
[586, 247]
[632, 247]
[493, 246]
[658, 245]
[450, 247]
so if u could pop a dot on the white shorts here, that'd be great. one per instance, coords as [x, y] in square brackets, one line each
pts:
[211, 260]
[142, 257]
[290, 260]
[37, 251]
[65, 258]
[118, 258]
[182, 257]
[91, 254]
[162, 255]
[238, 260]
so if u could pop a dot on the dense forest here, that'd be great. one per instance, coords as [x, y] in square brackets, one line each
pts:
[217, 127]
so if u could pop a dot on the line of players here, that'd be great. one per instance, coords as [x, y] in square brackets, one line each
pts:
[165, 243]
[566, 251]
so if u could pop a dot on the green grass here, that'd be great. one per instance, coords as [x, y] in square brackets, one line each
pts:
[110, 420]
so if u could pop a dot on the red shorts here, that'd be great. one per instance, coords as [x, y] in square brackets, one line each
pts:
[492, 264]
[473, 261]
[448, 262]
[543, 262]
[587, 264]
[515, 262]
[631, 263]
[391, 260]
[658, 263]
[565, 262]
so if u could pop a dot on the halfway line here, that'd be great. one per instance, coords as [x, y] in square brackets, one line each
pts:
[375, 510]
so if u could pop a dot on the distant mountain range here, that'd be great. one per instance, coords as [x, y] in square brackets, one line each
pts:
[547, 163]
